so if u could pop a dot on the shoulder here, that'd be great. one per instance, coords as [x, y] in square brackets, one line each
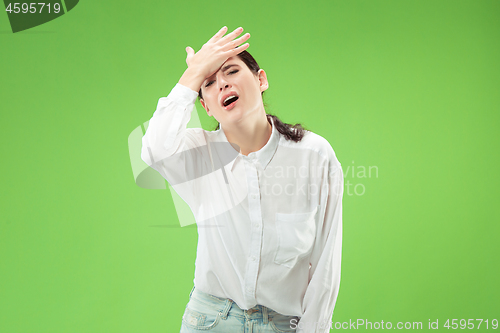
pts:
[314, 143]
[207, 136]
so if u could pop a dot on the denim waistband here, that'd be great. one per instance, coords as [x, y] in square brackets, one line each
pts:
[226, 306]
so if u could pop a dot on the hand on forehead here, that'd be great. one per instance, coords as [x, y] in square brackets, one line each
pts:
[221, 67]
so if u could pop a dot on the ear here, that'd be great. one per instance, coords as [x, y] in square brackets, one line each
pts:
[205, 107]
[264, 84]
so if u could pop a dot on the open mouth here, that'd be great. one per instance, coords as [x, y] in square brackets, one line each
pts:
[230, 100]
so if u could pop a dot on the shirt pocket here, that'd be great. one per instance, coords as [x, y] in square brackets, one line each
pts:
[296, 234]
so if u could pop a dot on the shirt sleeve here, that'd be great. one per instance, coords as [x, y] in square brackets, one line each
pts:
[167, 128]
[324, 274]
[178, 153]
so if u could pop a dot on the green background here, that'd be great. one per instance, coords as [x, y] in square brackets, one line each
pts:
[410, 87]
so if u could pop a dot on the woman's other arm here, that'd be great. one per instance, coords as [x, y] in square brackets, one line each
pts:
[324, 275]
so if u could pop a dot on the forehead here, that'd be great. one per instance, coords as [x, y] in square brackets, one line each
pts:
[233, 60]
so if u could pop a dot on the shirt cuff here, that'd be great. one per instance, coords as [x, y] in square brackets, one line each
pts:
[183, 95]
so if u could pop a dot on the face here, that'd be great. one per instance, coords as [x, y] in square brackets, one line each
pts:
[234, 92]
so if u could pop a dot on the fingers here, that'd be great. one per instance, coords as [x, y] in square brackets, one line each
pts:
[238, 50]
[190, 53]
[238, 41]
[218, 35]
[232, 35]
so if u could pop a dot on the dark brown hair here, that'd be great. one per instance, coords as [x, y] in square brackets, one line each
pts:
[290, 132]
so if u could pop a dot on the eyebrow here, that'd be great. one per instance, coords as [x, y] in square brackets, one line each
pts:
[227, 67]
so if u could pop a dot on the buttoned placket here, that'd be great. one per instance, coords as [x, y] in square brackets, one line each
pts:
[255, 212]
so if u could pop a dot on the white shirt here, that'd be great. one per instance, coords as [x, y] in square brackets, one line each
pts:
[269, 224]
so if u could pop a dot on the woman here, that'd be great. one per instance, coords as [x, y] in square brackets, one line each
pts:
[266, 196]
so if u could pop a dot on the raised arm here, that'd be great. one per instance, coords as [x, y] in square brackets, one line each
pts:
[168, 146]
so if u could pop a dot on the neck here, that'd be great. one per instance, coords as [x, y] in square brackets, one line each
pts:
[250, 135]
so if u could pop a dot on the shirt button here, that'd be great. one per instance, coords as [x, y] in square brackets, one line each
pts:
[256, 225]
[254, 196]
[253, 258]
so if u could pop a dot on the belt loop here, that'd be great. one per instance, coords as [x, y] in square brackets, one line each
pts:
[191, 292]
[264, 315]
[226, 309]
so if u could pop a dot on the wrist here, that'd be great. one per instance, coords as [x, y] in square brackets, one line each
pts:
[192, 78]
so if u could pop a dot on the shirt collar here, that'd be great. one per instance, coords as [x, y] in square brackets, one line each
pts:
[263, 155]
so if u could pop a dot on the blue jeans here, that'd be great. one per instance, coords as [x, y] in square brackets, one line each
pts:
[205, 312]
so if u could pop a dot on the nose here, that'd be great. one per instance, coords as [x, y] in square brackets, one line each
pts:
[222, 82]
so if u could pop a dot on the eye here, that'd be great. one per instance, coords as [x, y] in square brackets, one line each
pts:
[233, 72]
[209, 84]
